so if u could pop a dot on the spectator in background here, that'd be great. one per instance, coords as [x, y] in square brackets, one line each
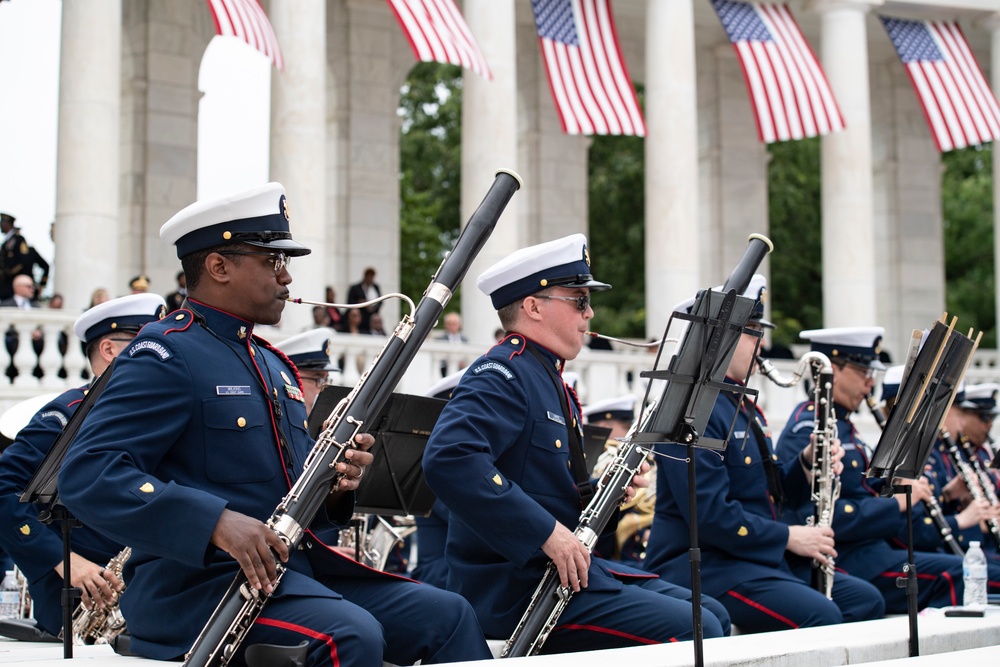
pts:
[366, 290]
[375, 327]
[17, 258]
[23, 298]
[139, 284]
[176, 298]
[453, 334]
[335, 314]
[56, 301]
[99, 295]
[321, 317]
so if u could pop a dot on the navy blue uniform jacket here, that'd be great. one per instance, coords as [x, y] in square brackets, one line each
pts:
[740, 531]
[35, 547]
[499, 459]
[188, 426]
[861, 519]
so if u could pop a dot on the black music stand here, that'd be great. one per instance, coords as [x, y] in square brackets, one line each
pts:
[42, 490]
[595, 439]
[694, 378]
[394, 483]
[925, 395]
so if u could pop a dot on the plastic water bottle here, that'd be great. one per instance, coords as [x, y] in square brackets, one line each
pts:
[10, 596]
[974, 577]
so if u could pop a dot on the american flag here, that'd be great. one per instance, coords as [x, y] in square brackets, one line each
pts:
[587, 74]
[958, 103]
[437, 32]
[246, 20]
[788, 89]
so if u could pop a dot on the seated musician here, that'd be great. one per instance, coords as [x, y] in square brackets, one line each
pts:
[865, 523]
[506, 458]
[746, 542]
[37, 548]
[200, 434]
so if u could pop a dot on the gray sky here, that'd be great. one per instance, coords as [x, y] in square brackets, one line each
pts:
[233, 119]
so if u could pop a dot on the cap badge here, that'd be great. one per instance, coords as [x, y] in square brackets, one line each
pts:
[284, 209]
[242, 333]
[586, 255]
[326, 350]
[161, 313]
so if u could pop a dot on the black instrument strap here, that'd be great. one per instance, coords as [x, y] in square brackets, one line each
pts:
[578, 463]
[771, 471]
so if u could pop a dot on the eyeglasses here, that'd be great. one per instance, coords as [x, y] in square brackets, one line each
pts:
[320, 381]
[280, 259]
[582, 301]
[985, 417]
[867, 371]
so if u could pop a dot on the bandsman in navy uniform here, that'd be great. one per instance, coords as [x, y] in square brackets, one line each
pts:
[506, 458]
[864, 522]
[36, 548]
[310, 352]
[755, 557]
[197, 437]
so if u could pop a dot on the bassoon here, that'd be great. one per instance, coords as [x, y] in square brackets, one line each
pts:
[241, 605]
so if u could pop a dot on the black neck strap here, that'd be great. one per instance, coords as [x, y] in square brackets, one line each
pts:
[578, 464]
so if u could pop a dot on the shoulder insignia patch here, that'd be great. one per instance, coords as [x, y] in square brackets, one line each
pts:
[59, 417]
[25, 529]
[495, 367]
[150, 346]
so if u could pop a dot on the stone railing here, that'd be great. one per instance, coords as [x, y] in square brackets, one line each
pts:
[602, 374]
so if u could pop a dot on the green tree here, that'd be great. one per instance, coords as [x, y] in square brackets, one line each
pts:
[795, 228]
[967, 202]
[430, 105]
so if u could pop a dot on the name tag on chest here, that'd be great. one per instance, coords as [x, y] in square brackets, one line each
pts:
[555, 418]
[232, 390]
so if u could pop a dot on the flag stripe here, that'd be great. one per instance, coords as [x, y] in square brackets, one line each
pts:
[958, 104]
[437, 32]
[247, 21]
[587, 76]
[789, 93]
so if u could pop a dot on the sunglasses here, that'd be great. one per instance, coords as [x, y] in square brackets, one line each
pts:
[279, 259]
[582, 302]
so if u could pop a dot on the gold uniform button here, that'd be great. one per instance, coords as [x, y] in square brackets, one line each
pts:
[558, 444]
[241, 422]
[854, 464]
[747, 460]
[305, 424]
[810, 408]
[774, 456]
[515, 341]
[179, 317]
[927, 520]
[849, 509]
[743, 532]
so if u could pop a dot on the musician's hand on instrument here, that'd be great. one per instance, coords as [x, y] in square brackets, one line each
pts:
[357, 459]
[814, 542]
[639, 481]
[920, 489]
[89, 577]
[977, 512]
[250, 542]
[956, 490]
[570, 557]
[837, 452]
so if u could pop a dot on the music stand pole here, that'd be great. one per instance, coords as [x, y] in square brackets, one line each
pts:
[69, 592]
[695, 553]
[909, 581]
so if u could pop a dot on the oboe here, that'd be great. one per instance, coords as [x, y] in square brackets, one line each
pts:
[241, 605]
[932, 504]
[969, 478]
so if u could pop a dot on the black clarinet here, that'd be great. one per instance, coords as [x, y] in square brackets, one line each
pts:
[969, 478]
[235, 615]
[550, 598]
[932, 505]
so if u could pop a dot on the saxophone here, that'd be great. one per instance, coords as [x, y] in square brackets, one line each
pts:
[99, 625]
[374, 540]
[825, 483]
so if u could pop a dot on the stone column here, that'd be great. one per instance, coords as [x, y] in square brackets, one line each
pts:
[489, 142]
[87, 151]
[993, 25]
[298, 143]
[671, 160]
[849, 288]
